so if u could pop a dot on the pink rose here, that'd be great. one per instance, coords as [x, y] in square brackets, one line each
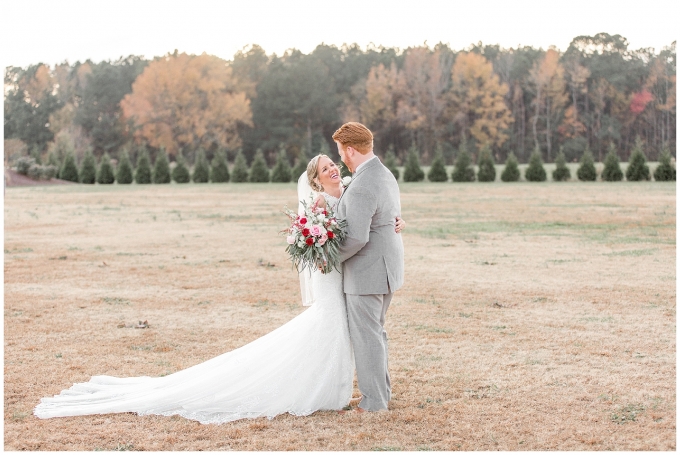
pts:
[317, 231]
[290, 239]
[322, 240]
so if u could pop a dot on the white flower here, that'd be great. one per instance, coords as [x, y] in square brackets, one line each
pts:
[346, 181]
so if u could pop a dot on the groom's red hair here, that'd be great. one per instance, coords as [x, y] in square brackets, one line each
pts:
[356, 135]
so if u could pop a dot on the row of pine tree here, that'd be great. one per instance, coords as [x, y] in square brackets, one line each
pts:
[463, 170]
[218, 171]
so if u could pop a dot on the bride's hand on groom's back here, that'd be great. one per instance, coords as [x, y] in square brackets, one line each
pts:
[399, 225]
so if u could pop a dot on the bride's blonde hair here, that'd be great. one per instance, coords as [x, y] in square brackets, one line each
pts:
[313, 172]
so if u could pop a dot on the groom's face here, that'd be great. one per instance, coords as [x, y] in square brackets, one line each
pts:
[344, 156]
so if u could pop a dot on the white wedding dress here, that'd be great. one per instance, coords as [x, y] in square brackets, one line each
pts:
[304, 366]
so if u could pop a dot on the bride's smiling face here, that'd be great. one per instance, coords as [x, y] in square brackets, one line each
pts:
[329, 174]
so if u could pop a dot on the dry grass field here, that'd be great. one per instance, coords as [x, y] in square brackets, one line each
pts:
[534, 316]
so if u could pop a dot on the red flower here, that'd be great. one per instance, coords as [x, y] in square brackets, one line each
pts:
[325, 213]
[309, 241]
[303, 220]
[305, 232]
[330, 234]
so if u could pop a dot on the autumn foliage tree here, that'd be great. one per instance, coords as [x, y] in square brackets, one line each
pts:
[187, 101]
[476, 100]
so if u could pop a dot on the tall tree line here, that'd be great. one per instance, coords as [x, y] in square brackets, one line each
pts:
[597, 94]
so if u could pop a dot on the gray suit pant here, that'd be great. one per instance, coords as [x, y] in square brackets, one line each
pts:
[366, 316]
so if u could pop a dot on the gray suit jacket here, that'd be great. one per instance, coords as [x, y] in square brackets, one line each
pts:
[372, 253]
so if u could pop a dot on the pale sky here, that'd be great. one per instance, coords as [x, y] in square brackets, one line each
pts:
[52, 31]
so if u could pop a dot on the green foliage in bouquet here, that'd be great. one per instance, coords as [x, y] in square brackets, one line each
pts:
[124, 174]
[462, 167]
[239, 173]
[561, 172]
[259, 172]
[535, 171]
[612, 170]
[219, 171]
[281, 172]
[412, 170]
[637, 164]
[586, 171]
[487, 166]
[437, 172]
[105, 174]
[88, 169]
[511, 172]
[143, 171]
[310, 248]
[161, 168]
[391, 162]
[201, 168]
[665, 170]
[180, 173]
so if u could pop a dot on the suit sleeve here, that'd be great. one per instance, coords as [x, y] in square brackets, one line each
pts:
[362, 205]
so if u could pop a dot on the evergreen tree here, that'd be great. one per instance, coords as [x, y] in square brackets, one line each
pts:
[239, 173]
[487, 166]
[35, 154]
[124, 169]
[201, 168]
[412, 170]
[586, 171]
[535, 171]
[637, 164]
[511, 172]
[105, 174]
[299, 169]
[143, 170]
[561, 172]
[219, 171]
[437, 171]
[259, 172]
[462, 167]
[391, 162]
[69, 170]
[612, 169]
[88, 169]
[52, 159]
[161, 168]
[281, 172]
[665, 170]
[180, 173]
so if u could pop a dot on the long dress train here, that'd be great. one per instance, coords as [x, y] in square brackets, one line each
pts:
[301, 367]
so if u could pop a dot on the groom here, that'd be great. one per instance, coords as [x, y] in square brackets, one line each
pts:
[373, 259]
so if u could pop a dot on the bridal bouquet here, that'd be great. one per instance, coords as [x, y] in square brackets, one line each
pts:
[313, 238]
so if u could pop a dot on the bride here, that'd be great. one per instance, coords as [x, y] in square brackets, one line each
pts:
[303, 366]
